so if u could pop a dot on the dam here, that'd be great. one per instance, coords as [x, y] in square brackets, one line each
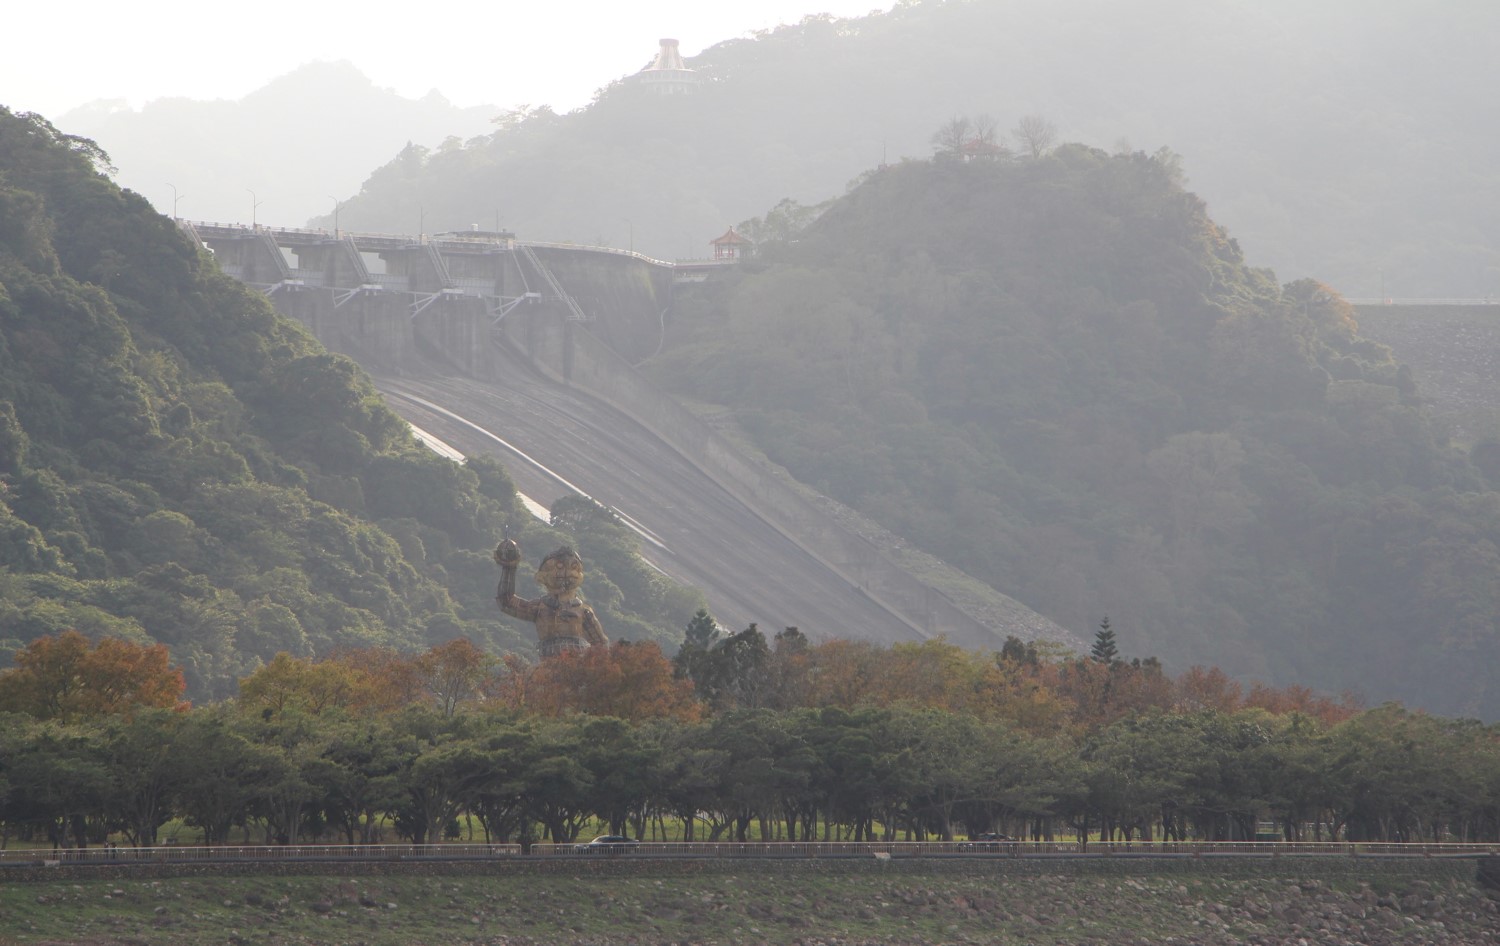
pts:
[483, 339]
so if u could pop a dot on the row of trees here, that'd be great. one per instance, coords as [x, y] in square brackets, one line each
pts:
[805, 774]
[735, 738]
[966, 138]
[1031, 688]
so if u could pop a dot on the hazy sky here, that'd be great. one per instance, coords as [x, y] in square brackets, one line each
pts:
[61, 54]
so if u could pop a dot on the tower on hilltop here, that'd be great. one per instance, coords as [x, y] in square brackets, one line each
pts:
[668, 75]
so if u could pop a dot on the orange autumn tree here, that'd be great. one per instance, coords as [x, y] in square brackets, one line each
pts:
[1206, 688]
[1284, 701]
[935, 674]
[842, 673]
[632, 681]
[390, 680]
[68, 677]
[454, 673]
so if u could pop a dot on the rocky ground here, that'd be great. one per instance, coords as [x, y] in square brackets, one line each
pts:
[1333, 902]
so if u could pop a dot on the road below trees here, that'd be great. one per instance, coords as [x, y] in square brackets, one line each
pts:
[555, 442]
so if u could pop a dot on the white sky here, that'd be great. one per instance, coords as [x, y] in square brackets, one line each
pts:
[60, 54]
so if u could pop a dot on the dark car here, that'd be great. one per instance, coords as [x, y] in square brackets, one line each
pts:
[605, 844]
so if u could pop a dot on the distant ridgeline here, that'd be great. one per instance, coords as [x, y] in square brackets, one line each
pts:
[1454, 351]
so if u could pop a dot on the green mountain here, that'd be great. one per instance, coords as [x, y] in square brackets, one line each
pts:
[179, 464]
[1351, 146]
[1060, 375]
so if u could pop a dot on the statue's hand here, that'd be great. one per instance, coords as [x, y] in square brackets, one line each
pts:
[508, 552]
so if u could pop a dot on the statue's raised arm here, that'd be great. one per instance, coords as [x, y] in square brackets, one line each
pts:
[563, 621]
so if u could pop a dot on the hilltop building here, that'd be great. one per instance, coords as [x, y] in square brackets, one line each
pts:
[731, 247]
[728, 250]
[669, 75]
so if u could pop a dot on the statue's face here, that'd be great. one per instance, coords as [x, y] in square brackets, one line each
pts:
[561, 576]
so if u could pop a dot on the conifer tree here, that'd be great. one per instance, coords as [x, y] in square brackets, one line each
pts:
[1105, 650]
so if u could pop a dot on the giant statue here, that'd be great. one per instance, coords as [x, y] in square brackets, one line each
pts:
[563, 622]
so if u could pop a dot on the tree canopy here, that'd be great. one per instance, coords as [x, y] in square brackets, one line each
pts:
[1059, 374]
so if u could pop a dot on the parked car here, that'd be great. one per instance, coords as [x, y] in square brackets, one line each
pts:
[605, 844]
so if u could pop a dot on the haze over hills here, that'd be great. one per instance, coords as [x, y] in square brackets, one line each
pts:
[1358, 147]
[301, 140]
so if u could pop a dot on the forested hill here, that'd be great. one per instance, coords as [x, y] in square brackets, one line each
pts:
[179, 464]
[1060, 375]
[1355, 147]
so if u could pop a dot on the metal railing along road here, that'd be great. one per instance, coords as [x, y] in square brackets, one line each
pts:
[268, 853]
[345, 853]
[902, 849]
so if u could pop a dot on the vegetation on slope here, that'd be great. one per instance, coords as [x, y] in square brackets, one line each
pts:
[179, 464]
[1060, 375]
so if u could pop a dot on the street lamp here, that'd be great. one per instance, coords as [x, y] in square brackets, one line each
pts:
[336, 205]
[253, 205]
[175, 199]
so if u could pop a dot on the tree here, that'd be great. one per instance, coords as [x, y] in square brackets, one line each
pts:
[361, 779]
[781, 223]
[739, 669]
[632, 681]
[454, 672]
[1104, 650]
[1035, 134]
[143, 762]
[394, 679]
[293, 746]
[220, 775]
[56, 778]
[951, 137]
[702, 631]
[558, 787]
[66, 677]
[444, 767]
[309, 686]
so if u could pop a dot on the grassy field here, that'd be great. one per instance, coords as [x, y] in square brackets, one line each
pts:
[839, 903]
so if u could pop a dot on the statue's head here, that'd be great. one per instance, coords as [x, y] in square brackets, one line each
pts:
[561, 573]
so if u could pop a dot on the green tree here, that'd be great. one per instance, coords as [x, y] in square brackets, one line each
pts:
[1104, 650]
